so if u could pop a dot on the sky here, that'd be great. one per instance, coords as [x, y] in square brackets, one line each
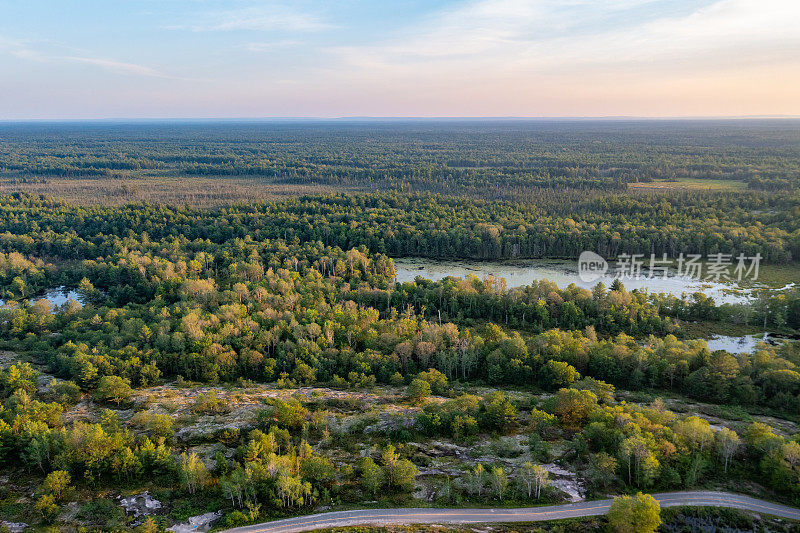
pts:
[82, 59]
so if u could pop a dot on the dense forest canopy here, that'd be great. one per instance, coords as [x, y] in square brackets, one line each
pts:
[260, 358]
[501, 158]
[559, 225]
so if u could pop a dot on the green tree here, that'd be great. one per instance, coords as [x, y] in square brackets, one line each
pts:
[56, 483]
[534, 478]
[728, 443]
[193, 472]
[148, 526]
[418, 390]
[498, 480]
[46, 505]
[114, 389]
[372, 476]
[497, 412]
[634, 514]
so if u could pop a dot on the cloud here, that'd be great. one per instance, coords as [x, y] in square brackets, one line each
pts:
[267, 46]
[118, 66]
[18, 48]
[486, 37]
[274, 17]
[24, 50]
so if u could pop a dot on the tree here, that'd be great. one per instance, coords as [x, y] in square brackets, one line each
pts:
[534, 477]
[400, 473]
[497, 412]
[474, 479]
[207, 403]
[635, 450]
[193, 472]
[290, 414]
[46, 505]
[634, 514]
[404, 475]
[418, 390]
[573, 406]
[498, 480]
[728, 443]
[557, 374]
[791, 453]
[292, 490]
[56, 483]
[113, 388]
[602, 470]
[372, 476]
[149, 375]
[148, 526]
[696, 432]
[436, 379]
[317, 469]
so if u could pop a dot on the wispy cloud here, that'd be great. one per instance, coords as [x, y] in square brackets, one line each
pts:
[555, 36]
[267, 46]
[47, 52]
[118, 66]
[18, 48]
[272, 17]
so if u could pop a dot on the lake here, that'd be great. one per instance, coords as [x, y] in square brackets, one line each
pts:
[562, 273]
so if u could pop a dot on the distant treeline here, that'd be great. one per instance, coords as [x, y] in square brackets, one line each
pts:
[434, 156]
[555, 225]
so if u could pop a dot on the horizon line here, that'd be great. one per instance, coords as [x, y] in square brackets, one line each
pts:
[398, 118]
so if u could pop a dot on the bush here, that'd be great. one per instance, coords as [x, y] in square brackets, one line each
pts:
[113, 389]
[236, 519]
[418, 390]
[208, 404]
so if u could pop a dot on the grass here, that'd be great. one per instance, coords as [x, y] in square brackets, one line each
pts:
[777, 276]
[175, 190]
[691, 184]
[705, 329]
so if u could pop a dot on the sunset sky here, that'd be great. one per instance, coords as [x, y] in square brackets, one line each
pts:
[205, 58]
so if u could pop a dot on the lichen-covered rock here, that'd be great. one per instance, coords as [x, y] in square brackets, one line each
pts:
[14, 527]
[140, 504]
[200, 523]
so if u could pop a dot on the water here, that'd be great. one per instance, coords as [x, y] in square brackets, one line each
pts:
[562, 273]
[60, 296]
[745, 344]
[748, 343]
[57, 297]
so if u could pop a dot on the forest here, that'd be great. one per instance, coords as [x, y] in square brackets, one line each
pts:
[517, 160]
[258, 359]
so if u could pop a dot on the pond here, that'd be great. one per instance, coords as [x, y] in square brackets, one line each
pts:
[747, 343]
[57, 297]
[562, 273]
[61, 295]
[743, 344]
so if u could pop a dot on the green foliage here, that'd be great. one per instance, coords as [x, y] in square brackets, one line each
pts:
[113, 389]
[303, 291]
[418, 390]
[47, 507]
[207, 403]
[56, 483]
[634, 514]
[497, 413]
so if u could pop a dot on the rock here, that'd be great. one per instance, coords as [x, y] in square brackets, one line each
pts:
[140, 504]
[201, 523]
[68, 512]
[14, 527]
[566, 482]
